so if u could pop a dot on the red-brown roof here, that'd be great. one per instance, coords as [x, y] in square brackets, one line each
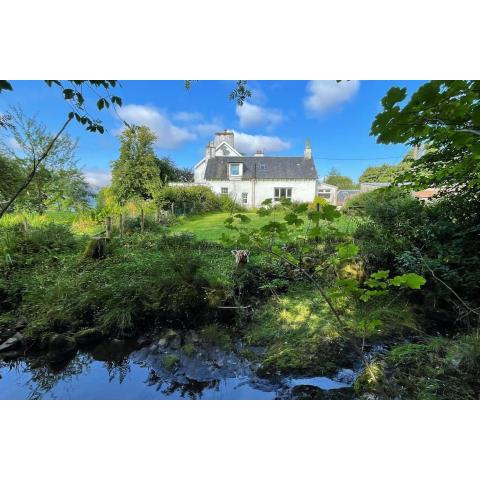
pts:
[427, 193]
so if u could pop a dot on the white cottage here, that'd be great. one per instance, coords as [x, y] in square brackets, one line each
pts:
[250, 180]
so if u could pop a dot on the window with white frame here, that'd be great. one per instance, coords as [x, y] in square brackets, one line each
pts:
[244, 197]
[224, 191]
[235, 169]
[280, 192]
[324, 193]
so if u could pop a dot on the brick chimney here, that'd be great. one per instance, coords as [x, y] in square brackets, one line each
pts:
[259, 153]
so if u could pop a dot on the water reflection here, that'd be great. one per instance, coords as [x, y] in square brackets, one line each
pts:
[123, 369]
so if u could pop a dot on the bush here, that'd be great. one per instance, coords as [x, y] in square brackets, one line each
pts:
[438, 368]
[228, 204]
[404, 235]
[196, 199]
[20, 245]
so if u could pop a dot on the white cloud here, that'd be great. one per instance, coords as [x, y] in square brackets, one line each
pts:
[207, 129]
[168, 134]
[13, 144]
[251, 115]
[325, 95]
[247, 143]
[188, 116]
[97, 179]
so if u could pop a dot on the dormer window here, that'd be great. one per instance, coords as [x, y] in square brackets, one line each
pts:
[235, 169]
[263, 167]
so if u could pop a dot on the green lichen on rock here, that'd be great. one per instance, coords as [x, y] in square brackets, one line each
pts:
[170, 361]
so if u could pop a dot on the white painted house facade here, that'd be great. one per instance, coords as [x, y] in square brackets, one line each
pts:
[250, 180]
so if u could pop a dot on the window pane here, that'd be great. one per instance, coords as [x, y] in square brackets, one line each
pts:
[289, 193]
[234, 169]
[224, 191]
[245, 197]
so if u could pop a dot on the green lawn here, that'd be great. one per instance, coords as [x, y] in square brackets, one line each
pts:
[211, 226]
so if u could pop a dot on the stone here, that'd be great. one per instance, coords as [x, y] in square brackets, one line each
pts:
[143, 341]
[21, 323]
[61, 347]
[192, 337]
[12, 343]
[89, 335]
[175, 342]
[11, 354]
[307, 392]
[162, 343]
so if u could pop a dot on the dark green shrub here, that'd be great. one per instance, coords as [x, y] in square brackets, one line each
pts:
[196, 199]
[20, 245]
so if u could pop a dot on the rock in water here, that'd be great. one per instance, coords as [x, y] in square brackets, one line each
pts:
[89, 335]
[12, 343]
[61, 347]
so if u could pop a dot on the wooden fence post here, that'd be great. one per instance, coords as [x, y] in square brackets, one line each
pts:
[108, 227]
[121, 225]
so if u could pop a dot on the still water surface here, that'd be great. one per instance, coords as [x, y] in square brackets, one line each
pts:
[126, 370]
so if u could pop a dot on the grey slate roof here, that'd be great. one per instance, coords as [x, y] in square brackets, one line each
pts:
[263, 168]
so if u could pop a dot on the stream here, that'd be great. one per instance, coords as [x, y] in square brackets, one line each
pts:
[159, 368]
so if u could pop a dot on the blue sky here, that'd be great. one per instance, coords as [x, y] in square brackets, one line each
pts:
[278, 118]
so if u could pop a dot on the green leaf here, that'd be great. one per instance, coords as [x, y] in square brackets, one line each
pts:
[410, 280]
[394, 95]
[314, 216]
[329, 212]
[263, 212]
[100, 103]
[68, 93]
[347, 251]
[380, 275]
[267, 201]
[300, 208]
[315, 232]
[291, 218]
[5, 85]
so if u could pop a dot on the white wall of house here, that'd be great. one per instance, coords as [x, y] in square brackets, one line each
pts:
[251, 193]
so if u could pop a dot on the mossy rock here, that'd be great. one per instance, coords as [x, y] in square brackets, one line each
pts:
[88, 336]
[189, 349]
[61, 347]
[170, 362]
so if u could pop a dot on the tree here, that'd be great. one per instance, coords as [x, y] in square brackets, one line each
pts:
[11, 178]
[69, 190]
[386, 172]
[136, 173]
[26, 140]
[72, 92]
[443, 115]
[341, 181]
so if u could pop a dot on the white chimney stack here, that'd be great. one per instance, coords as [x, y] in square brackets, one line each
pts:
[308, 150]
[226, 137]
